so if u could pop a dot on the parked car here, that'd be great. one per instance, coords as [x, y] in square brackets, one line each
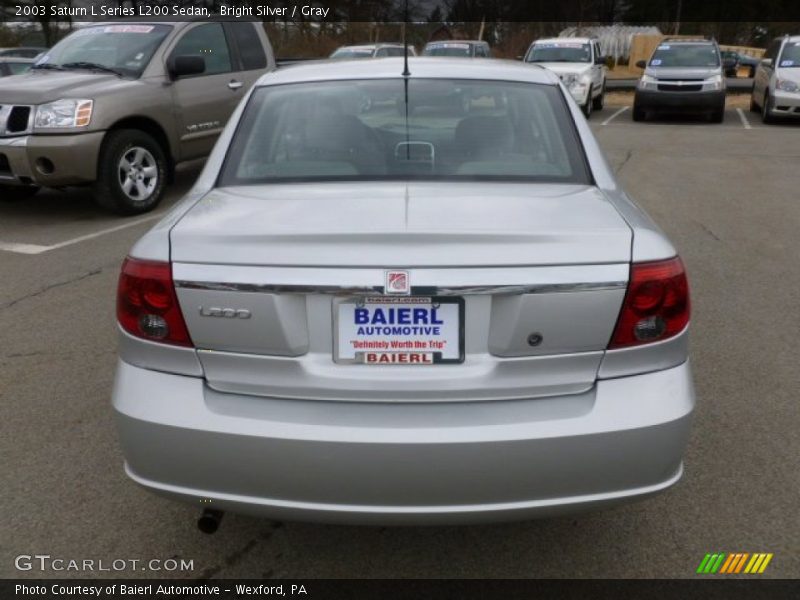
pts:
[22, 52]
[733, 61]
[458, 49]
[14, 66]
[776, 85]
[391, 318]
[683, 75]
[730, 62]
[751, 62]
[580, 65]
[116, 106]
[371, 51]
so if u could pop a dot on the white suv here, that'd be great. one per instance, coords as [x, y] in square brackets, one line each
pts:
[580, 65]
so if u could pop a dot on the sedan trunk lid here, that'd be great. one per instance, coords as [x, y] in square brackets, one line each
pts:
[398, 224]
[539, 271]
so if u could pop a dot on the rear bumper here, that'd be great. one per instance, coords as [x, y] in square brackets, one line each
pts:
[50, 160]
[401, 463]
[680, 101]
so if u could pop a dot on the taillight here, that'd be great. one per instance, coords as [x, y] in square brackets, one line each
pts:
[656, 305]
[147, 306]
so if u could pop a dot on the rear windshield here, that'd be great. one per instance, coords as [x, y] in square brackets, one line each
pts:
[790, 57]
[365, 130]
[685, 55]
[124, 48]
[352, 53]
[560, 52]
[448, 49]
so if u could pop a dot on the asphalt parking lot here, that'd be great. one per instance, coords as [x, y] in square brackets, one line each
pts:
[727, 195]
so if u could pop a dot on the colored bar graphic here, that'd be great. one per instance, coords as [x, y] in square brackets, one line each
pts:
[765, 563]
[727, 563]
[754, 562]
[703, 563]
[718, 562]
[740, 564]
[734, 563]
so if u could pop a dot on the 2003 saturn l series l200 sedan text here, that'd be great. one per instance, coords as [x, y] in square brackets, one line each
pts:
[404, 299]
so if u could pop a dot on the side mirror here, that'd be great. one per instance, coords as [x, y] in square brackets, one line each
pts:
[642, 64]
[520, 57]
[766, 62]
[186, 65]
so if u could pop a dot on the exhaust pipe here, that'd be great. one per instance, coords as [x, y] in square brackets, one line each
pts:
[209, 521]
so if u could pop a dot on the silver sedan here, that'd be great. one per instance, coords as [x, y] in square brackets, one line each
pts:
[404, 299]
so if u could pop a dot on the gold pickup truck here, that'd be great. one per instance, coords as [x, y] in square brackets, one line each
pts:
[116, 106]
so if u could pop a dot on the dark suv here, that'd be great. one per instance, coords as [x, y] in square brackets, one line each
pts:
[682, 75]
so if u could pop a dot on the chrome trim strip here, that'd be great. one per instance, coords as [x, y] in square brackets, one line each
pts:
[466, 290]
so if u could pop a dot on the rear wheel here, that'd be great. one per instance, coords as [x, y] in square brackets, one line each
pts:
[600, 101]
[15, 193]
[131, 174]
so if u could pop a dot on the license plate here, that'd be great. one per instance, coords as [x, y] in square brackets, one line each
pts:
[412, 330]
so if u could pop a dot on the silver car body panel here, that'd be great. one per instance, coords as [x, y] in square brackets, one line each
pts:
[404, 463]
[158, 357]
[383, 224]
[572, 308]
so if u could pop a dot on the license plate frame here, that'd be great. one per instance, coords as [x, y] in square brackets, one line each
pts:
[438, 359]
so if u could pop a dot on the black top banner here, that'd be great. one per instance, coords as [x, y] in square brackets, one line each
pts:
[385, 11]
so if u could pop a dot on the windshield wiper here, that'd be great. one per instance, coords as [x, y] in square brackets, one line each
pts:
[48, 66]
[91, 65]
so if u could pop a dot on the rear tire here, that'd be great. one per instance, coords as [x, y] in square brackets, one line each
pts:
[16, 193]
[131, 173]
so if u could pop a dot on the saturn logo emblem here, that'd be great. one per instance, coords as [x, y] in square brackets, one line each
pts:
[397, 283]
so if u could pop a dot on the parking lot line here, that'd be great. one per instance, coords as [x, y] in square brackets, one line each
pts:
[22, 248]
[742, 116]
[615, 115]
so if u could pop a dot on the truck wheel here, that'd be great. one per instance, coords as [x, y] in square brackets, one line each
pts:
[131, 174]
[15, 193]
[600, 101]
[587, 107]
